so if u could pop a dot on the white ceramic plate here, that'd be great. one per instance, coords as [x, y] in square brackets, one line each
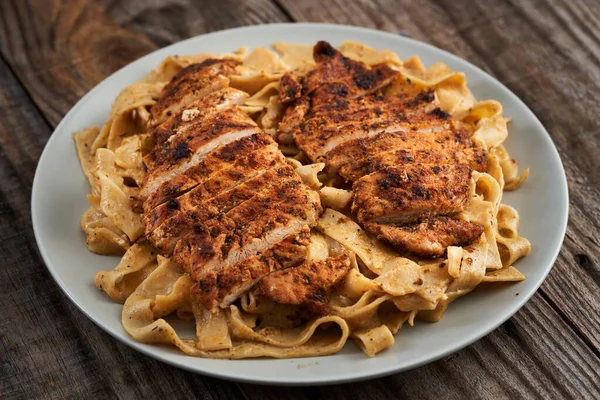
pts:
[59, 199]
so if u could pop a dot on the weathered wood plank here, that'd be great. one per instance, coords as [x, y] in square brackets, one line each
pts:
[49, 349]
[554, 74]
[549, 81]
[193, 18]
[34, 352]
[61, 49]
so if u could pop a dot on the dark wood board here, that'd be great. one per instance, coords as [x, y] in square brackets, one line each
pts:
[53, 52]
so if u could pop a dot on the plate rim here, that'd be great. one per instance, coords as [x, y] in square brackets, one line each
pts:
[302, 380]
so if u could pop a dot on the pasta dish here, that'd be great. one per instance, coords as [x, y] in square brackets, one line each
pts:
[282, 202]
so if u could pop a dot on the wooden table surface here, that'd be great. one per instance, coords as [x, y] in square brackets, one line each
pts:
[547, 52]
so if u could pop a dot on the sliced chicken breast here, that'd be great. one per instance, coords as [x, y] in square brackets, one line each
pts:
[426, 138]
[223, 287]
[308, 284]
[473, 157]
[428, 238]
[222, 201]
[210, 104]
[332, 66]
[290, 88]
[403, 195]
[222, 209]
[191, 84]
[190, 146]
[207, 251]
[221, 169]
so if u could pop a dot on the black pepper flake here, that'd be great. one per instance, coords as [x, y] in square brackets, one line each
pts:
[181, 151]
[438, 112]
[428, 97]
[364, 81]
[173, 204]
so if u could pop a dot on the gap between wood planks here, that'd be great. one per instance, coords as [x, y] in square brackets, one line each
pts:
[283, 10]
[570, 323]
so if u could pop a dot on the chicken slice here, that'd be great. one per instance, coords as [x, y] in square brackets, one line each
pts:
[334, 76]
[189, 147]
[221, 169]
[332, 66]
[386, 108]
[211, 250]
[320, 136]
[218, 212]
[403, 195]
[210, 104]
[191, 84]
[222, 288]
[290, 88]
[293, 116]
[429, 238]
[432, 138]
[199, 130]
[220, 201]
[356, 85]
[341, 121]
[308, 284]
[475, 158]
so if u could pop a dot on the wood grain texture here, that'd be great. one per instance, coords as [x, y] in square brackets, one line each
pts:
[53, 52]
[76, 44]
